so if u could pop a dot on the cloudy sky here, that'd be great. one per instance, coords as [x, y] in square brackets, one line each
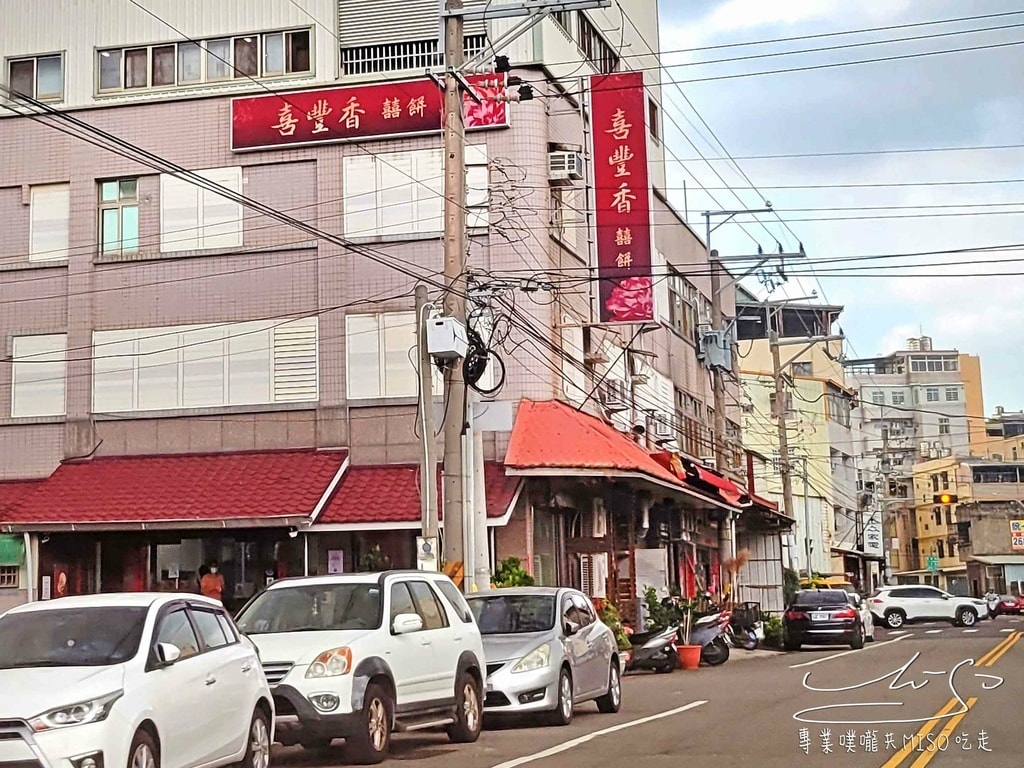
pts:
[966, 99]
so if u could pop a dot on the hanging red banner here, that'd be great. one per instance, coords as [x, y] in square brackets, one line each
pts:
[622, 198]
[360, 112]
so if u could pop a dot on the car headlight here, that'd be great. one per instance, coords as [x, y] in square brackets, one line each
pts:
[538, 658]
[92, 711]
[332, 663]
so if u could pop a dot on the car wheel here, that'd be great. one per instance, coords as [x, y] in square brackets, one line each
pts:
[609, 703]
[858, 639]
[370, 743]
[965, 617]
[789, 642]
[143, 752]
[468, 711]
[894, 619]
[257, 742]
[564, 711]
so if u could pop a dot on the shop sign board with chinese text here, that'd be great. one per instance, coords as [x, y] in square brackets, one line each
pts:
[359, 113]
[622, 198]
[1017, 535]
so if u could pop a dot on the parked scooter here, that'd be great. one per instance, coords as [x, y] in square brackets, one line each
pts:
[740, 634]
[709, 632]
[654, 650]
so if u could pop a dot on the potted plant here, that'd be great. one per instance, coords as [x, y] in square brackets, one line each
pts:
[611, 617]
[689, 655]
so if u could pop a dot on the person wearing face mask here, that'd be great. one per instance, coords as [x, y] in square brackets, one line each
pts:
[212, 584]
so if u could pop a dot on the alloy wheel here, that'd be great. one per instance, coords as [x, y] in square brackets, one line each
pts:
[378, 724]
[143, 757]
[260, 743]
[565, 694]
[615, 689]
[471, 707]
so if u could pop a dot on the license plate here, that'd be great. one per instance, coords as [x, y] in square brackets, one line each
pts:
[819, 616]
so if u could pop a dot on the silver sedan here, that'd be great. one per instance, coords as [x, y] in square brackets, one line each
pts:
[547, 651]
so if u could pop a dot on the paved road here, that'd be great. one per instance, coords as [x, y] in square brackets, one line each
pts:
[744, 711]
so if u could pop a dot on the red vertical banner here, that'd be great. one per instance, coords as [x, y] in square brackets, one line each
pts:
[622, 197]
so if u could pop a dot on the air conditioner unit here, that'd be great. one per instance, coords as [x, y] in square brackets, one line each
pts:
[613, 395]
[564, 167]
[710, 462]
[664, 427]
[594, 575]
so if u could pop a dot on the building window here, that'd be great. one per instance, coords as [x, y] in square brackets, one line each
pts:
[10, 576]
[380, 353]
[945, 480]
[682, 305]
[253, 363]
[38, 77]
[403, 55]
[952, 393]
[935, 482]
[653, 117]
[564, 20]
[272, 54]
[878, 397]
[564, 215]
[119, 216]
[38, 376]
[934, 364]
[50, 212]
[899, 398]
[949, 515]
[595, 48]
[401, 193]
[938, 515]
[943, 425]
[193, 218]
[802, 368]
[931, 394]
[941, 549]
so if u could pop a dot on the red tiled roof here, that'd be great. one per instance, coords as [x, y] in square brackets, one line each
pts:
[391, 494]
[185, 488]
[554, 435]
[11, 492]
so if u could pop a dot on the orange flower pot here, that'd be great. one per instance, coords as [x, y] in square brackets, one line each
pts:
[689, 656]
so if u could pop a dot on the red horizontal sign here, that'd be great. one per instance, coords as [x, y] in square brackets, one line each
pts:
[354, 112]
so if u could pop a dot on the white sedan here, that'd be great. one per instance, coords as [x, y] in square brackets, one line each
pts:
[133, 680]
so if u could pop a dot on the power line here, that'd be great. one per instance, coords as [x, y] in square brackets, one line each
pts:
[858, 153]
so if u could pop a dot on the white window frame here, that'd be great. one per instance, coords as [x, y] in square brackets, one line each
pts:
[401, 194]
[928, 392]
[40, 363]
[272, 353]
[205, 77]
[225, 232]
[55, 200]
[878, 397]
[899, 398]
[398, 323]
[48, 97]
[955, 392]
[10, 576]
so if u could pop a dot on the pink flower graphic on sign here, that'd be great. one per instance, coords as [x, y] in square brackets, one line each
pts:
[488, 112]
[631, 299]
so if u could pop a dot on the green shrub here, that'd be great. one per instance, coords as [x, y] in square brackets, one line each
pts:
[610, 615]
[772, 631]
[510, 573]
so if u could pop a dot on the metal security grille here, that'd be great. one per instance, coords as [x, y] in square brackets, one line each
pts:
[400, 56]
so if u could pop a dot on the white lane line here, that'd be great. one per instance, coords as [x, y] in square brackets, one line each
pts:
[933, 631]
[847, 653]
[968, 631]
[573, 743]
[1007, 630]
[899, 632]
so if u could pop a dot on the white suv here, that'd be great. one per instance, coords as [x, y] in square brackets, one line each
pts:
[139, 680]
[358, 656]
[894, 606]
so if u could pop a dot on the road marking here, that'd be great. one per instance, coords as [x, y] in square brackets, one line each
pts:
[933, 631]
[899, 632]
[927, 757]
[968, 631]
[573, 743]
[1008, 629]
[1001, 645]
[925, 729]
[847, 653]
[1006, 645]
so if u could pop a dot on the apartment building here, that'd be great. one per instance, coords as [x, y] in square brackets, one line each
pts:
[917, 405]
[170, 341]
[830, 515]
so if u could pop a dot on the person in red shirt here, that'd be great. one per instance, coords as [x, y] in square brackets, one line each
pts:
[212, 584]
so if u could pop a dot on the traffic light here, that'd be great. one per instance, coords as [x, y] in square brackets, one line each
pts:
[944, 498]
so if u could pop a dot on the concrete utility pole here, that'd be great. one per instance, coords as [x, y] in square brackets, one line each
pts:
[785, 468]
[429, 522]
[455, 280]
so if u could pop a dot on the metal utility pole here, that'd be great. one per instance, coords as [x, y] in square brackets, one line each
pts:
[429, 522]
[454, 277]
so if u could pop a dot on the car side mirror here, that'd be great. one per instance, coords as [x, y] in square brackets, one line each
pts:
[167, 653]
[571, 628]
[405, 623]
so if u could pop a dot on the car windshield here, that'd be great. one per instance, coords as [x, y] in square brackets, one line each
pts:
[308, 608]
[821, 597]
[81, 637]
[514, 614]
